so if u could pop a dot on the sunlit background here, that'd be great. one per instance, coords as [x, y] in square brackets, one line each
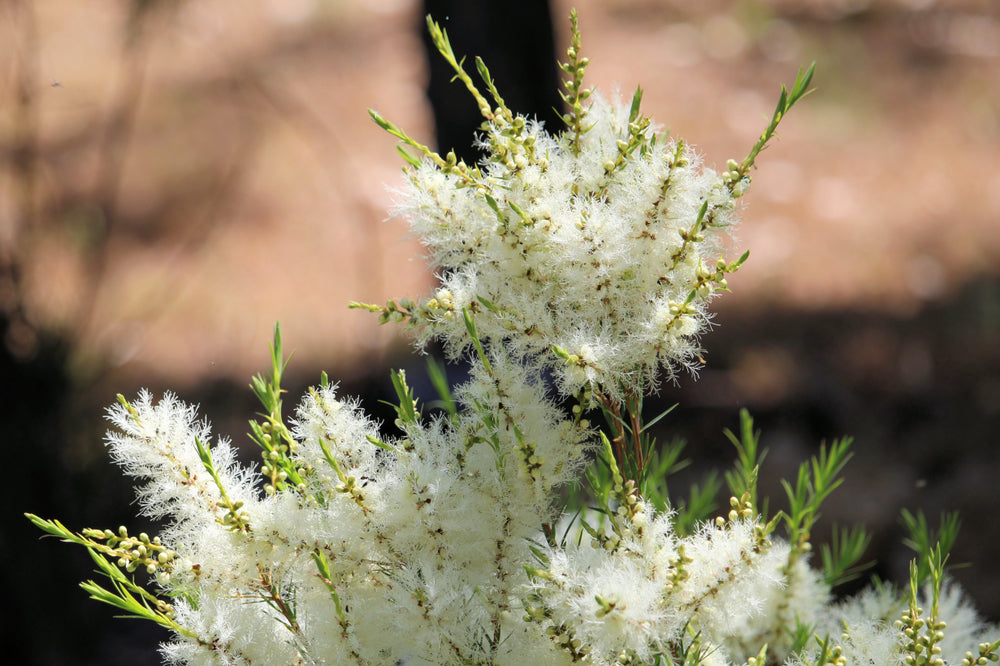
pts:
[176, 177]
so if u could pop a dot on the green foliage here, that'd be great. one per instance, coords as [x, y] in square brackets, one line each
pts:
[129, 597]
[924, 541]
[801, 635]
[575, 95]
[439, 379]
[815, 481]
[662, 461]
[743, 478]
[786, 100]
[407, 413]
[925, 631]
[235, 518]
[270, 433]
[699, 505]
[830, 654]
[114, 552]
[841, 556]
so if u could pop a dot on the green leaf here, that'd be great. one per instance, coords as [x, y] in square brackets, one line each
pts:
[407, 407]
[521, 214]
[841, 556]
[743, 478]
[492, 203]
[379, 443]
[816, 479]
[436, 373]
[128, 596]
[488, 304]
[407, 157]
[786, 100]
[470, 326]
[700, 504]
[924, 541]
[633, 112]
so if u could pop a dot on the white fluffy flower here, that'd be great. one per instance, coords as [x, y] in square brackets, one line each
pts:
[157, 443]
[606, 248]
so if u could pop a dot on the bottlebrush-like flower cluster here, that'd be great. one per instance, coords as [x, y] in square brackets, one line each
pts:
[601, 243]
[604, 245]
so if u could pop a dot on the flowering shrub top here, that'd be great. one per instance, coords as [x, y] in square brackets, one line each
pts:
[589, 244]
[600, 243]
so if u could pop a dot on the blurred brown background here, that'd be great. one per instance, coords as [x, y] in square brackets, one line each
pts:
[175, 177]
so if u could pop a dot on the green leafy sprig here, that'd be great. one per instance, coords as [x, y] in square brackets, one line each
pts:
[116, 553]
[815, 481]
[737, 173]
[575, 95]
[270, 433]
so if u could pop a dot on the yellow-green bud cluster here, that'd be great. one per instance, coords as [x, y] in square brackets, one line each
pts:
[133, 553]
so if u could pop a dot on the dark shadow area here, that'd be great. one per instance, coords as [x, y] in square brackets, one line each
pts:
[517, 43]
[58, 469]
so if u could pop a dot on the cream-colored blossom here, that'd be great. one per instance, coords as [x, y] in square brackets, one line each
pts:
[561, 252]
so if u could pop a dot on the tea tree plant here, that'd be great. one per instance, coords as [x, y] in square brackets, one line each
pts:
[574, 266]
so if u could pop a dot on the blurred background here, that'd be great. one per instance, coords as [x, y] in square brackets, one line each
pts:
[175, 177]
